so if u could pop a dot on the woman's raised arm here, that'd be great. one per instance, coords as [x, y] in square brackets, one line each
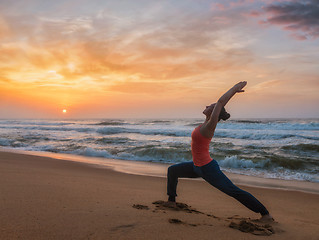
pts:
[210, 126]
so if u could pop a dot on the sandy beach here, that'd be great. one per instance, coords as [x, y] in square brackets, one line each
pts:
[46, 198]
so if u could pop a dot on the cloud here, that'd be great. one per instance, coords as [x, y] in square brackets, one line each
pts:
[230, 4]
[67, 25]
[172, 48]
[5, 80]
[140, 87]
[269, 84]
[299, 17]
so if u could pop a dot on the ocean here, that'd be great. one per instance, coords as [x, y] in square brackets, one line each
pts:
[269, 148]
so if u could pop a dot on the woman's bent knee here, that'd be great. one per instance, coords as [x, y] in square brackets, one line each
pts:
[170, 171]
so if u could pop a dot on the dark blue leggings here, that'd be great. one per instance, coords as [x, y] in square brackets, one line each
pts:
[214, 176]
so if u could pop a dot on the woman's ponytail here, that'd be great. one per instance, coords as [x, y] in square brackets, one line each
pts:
[223, 114]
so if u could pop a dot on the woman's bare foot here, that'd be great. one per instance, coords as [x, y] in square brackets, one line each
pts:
[267, 218]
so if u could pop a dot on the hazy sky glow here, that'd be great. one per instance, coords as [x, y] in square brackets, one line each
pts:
[147, 58]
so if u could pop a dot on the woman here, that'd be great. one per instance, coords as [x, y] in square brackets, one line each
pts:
[207, 168]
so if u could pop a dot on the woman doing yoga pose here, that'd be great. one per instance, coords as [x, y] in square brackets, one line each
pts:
[206, 167]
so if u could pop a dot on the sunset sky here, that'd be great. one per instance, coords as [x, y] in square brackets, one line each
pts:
[158, 59]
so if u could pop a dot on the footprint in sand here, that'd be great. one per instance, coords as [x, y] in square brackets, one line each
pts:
[162, 205]
[139, 206]
[249, 227]
[124, 228]
[255, 226]
[177, 221]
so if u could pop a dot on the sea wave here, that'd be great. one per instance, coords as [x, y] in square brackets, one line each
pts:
[113, 140]
[5, 142]
[234, 162]
[111, 123]
[313, 126]
[87, 151]
[303, 147]
[145, 131]
[50, 128]
[35, 123]
[247, 167]
[157, 122]
[260, 135]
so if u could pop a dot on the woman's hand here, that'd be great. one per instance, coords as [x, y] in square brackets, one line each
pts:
[239, 86]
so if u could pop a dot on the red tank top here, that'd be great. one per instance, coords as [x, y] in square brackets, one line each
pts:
[200, 148]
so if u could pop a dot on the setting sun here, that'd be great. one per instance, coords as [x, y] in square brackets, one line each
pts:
[64, 110]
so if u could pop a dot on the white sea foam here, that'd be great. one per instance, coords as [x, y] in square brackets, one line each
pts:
[91, 152]
[234, 162]
[5, 142]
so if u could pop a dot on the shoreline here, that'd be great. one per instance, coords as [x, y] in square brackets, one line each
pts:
[155, 169]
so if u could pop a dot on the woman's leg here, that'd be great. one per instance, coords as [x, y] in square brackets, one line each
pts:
[180, 170]
[213, 175]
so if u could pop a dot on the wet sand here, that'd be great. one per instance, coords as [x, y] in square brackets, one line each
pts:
[46, 198]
